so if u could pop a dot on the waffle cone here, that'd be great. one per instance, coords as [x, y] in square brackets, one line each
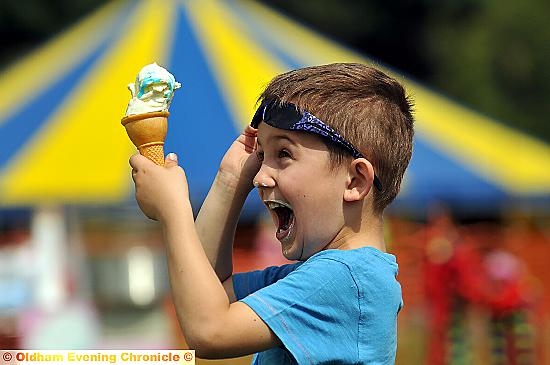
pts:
[148, 132]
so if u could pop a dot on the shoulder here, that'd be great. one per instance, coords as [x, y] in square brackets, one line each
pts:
[361, 261]
[374, 273]
[320, 279]
[324, 270]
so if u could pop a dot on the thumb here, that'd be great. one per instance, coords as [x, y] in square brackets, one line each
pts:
[171, 160]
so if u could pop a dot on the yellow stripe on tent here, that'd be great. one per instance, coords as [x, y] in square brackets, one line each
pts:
[32, 74]
[508, 158]
[240, 64]
[83, 152]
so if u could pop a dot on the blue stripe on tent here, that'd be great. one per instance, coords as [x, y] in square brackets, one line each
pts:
[20, 128]
[200, 136]
[429, 165]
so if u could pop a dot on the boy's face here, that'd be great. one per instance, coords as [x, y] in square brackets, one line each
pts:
[302, 193]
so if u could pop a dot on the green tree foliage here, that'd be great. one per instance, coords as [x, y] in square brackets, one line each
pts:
[495, 56]
[24, 24]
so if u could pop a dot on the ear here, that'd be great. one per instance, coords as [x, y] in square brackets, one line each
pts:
[361, 177]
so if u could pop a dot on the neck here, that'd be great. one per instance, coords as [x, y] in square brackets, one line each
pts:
[369, 231]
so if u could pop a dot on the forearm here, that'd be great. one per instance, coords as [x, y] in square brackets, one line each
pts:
[197, 292]
[217, 221]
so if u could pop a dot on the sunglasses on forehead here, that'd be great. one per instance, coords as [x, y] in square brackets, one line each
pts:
[288, 117]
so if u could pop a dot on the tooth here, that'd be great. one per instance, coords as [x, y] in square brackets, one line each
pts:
[273, 205]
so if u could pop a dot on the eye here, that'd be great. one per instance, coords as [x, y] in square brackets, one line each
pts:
[260, 155]
[284, 154]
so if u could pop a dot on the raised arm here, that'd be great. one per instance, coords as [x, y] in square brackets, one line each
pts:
[219, 214]
[211, 324]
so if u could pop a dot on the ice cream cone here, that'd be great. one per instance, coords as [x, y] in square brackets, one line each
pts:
[147, 132]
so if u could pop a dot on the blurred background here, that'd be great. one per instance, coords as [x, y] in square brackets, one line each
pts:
[81, 268]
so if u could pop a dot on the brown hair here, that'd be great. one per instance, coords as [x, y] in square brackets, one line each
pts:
[367, 107]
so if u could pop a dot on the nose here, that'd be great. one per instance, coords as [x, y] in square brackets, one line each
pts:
[264, 178]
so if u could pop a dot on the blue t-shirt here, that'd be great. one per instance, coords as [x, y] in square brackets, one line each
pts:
[339, 306]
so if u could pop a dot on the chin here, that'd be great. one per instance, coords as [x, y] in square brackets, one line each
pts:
[290, 255]
[293, 253]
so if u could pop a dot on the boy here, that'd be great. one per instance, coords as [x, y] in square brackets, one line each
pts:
[327, 150]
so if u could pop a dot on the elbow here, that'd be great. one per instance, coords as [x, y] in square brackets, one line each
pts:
[202, 345]
[206, 341]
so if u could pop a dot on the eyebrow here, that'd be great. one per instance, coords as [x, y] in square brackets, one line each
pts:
[279, 137]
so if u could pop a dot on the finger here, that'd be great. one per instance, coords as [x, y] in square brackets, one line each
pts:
[250, 135]
[171, 160]
[138, 161]
[249, 131]
[133, 161]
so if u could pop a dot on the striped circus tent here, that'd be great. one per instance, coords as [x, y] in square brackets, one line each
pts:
[61, 141]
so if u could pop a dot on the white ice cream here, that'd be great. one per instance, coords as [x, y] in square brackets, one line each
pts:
[152, 91]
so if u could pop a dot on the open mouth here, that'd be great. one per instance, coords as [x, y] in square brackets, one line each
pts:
[285, 218]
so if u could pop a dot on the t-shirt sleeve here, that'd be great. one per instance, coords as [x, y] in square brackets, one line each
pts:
[314, 307]
[250, 282]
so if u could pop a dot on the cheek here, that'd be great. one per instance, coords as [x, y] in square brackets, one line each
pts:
[323, 211]
[316, 213]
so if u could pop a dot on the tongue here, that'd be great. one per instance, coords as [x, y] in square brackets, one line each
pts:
[286, 218]
[284, 215]
[282, 233]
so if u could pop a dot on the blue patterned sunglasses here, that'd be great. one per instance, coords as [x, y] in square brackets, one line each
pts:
[288, 117]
